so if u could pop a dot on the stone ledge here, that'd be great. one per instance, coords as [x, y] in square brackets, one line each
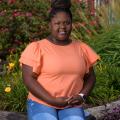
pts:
[96, 112]
[4, 115]
[99, 111]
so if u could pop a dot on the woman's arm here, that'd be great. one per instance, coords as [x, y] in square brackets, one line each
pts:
[37, 90]
[89, 81]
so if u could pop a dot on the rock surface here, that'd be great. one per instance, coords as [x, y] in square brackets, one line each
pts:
[4, 115]
[98, 112]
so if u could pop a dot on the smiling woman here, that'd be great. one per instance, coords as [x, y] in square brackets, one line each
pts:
[60, 26]
[58, 71]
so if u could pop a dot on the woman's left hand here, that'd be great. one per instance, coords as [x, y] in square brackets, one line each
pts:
[75, 100]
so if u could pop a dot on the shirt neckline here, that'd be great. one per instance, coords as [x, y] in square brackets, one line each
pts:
[58, 44]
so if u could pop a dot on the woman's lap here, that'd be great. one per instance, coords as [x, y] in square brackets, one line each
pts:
[38, 111]
[71, 114]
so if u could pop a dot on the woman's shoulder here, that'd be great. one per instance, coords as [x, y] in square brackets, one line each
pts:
[80, 43]
[85, 47]
[33, 48]
[37, 43]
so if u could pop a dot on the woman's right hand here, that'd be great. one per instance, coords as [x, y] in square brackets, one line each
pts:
[60, 101]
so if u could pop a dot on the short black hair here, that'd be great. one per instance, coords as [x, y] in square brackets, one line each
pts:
[54, 11]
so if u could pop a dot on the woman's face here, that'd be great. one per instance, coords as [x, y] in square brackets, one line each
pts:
[61, 26]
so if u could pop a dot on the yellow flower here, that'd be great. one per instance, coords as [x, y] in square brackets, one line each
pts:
[10, 66]
[7, 89]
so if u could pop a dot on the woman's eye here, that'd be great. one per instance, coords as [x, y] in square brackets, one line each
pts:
[67, 23]
[57, 23]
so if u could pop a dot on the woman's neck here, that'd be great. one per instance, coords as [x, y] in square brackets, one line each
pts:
[58, 42]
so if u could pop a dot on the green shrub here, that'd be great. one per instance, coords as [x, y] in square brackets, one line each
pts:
[107, 45]
[22, 21]
[13, 93]
[107, 87]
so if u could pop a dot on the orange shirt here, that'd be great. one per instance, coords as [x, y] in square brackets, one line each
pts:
[61, 68]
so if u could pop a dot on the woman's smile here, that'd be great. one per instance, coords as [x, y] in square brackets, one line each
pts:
[61, 26]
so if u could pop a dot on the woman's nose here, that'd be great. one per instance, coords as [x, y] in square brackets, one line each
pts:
[62, 25]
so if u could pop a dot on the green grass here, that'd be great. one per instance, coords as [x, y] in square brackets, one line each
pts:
[107, 87]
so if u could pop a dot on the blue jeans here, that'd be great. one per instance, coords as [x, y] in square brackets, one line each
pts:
[38, 111]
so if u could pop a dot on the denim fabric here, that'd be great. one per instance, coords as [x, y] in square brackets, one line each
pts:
[38, 111]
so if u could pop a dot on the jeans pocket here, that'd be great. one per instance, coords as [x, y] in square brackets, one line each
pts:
[29, 104]
[29, 100]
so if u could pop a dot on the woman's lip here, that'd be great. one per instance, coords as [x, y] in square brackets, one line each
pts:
[62, 33]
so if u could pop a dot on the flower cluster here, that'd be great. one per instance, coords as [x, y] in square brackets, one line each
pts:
[7, 89]
[11, 1]
[18, 13]
[10, 67]
[8, 1]
[21, 21]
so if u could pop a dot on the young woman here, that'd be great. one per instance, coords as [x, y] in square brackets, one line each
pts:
[58, 72]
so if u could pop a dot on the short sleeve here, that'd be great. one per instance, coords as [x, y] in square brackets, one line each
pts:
[90, 55]
[31, 56]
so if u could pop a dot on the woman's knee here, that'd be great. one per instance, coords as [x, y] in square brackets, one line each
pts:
[71, 114]
[38, 111]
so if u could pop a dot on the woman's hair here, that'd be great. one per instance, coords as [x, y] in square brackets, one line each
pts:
[60, 6]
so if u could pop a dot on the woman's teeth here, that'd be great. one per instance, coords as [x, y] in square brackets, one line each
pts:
[62, 33]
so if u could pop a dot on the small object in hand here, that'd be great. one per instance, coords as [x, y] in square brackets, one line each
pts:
[83, 96]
